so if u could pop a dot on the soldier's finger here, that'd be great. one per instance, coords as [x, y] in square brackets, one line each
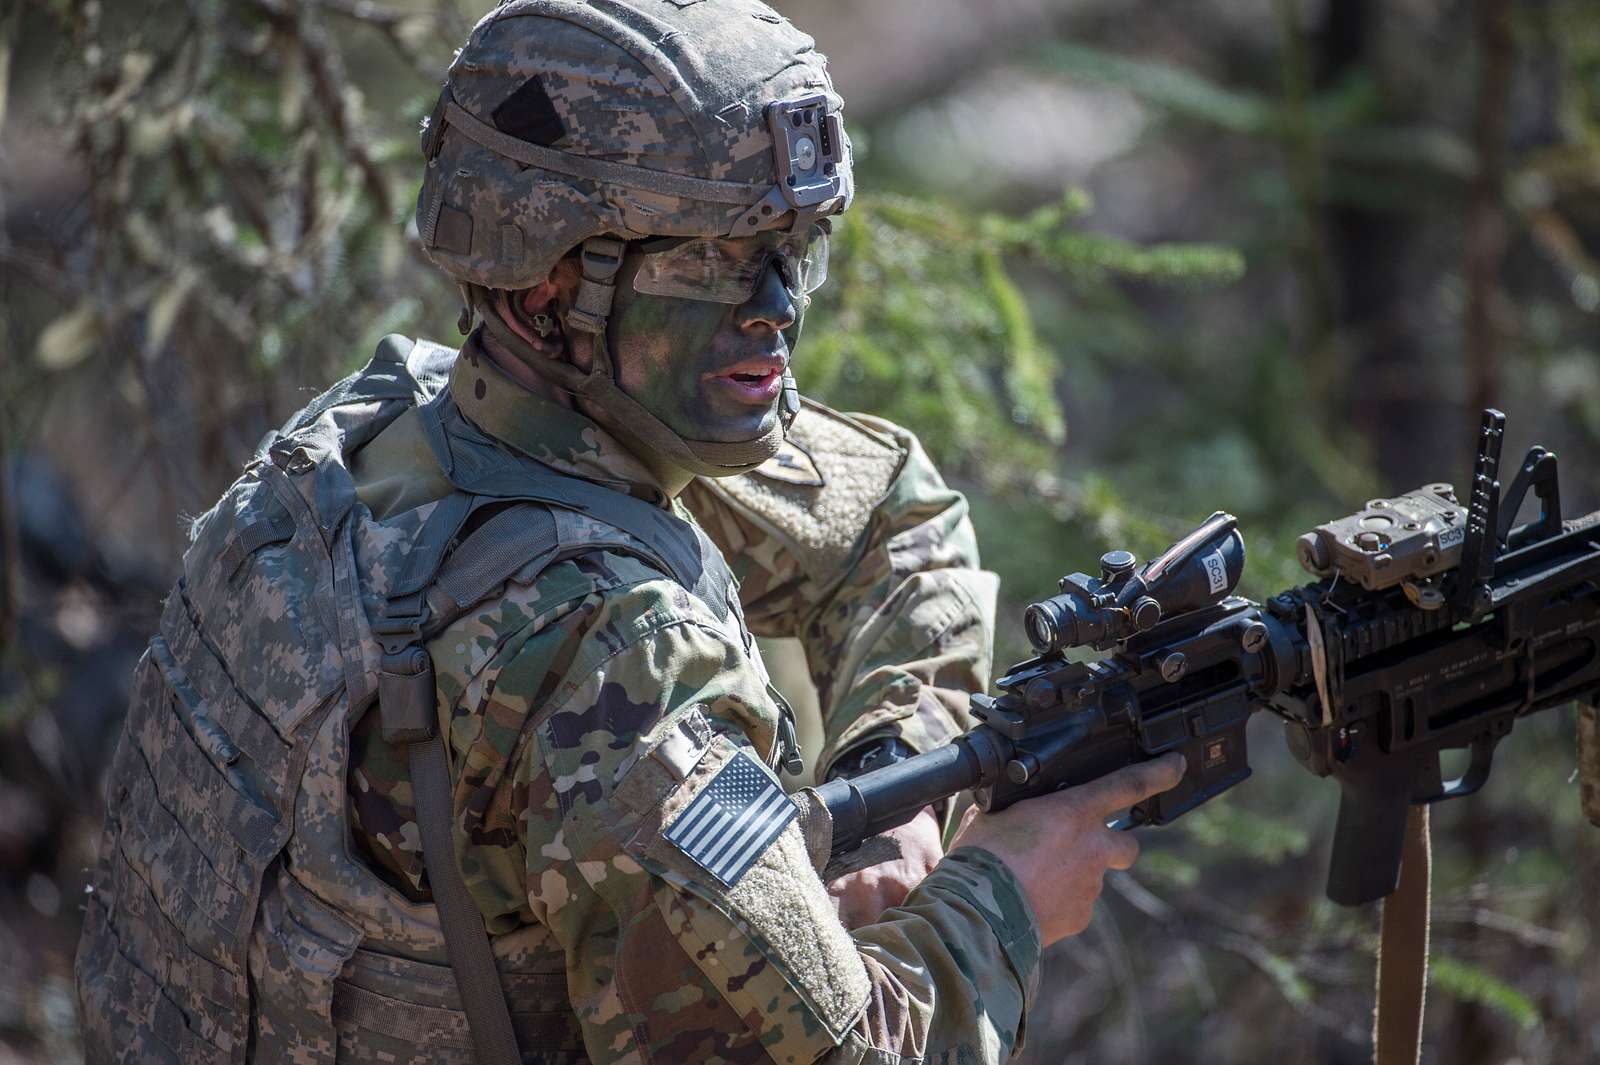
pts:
[1121, 849]
[1128, 785]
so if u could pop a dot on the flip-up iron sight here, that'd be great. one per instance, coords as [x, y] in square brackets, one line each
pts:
[1197, 571]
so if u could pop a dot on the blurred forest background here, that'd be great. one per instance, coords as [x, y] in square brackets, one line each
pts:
[1119, 262]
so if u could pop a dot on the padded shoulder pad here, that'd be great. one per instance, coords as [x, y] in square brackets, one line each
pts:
[429, 364]
[818, 493]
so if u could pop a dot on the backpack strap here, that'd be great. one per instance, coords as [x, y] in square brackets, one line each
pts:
[477, 465]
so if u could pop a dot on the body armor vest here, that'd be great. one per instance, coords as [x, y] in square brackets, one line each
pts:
[230, 919]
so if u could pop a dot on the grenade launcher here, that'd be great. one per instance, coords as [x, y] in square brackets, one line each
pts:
[1433, 626]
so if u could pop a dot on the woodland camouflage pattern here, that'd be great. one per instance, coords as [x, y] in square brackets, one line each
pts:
[553, 693]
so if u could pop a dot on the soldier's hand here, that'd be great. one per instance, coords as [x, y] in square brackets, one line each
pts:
[866, 893]
[1059, 846]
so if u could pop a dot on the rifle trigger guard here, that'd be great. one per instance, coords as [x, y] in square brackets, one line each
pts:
[1475, 777]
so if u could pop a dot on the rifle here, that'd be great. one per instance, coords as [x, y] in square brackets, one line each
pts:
[1433, 626]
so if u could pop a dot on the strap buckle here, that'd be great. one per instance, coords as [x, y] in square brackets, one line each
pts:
[407, 701]
[601, 258]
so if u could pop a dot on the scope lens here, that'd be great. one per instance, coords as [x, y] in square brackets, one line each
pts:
[1042, 623]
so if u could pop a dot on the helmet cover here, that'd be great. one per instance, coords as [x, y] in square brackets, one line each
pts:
[563, 120]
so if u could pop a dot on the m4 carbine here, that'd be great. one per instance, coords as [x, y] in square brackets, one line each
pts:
[1434, 627]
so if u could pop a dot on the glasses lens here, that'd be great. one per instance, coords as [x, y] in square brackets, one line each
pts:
[813, 261]
[715, 270]
[727, 270]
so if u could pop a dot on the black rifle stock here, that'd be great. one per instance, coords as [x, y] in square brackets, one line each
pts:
[1434, 627]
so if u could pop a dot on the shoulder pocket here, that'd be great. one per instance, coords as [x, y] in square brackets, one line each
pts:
[763, 930]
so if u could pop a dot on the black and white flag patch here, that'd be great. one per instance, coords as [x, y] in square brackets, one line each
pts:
[733, 819]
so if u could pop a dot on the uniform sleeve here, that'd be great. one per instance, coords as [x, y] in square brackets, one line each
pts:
[720, 943]
[849, 540]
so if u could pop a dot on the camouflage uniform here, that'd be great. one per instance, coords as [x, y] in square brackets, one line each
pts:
[847, 539]
[260, 893]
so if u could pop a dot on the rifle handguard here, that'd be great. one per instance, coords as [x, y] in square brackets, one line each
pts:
[886, 798]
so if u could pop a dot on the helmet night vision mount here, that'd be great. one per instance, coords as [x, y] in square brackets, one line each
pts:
[811, 159]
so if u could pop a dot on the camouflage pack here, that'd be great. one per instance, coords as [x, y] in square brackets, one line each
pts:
[228, 913]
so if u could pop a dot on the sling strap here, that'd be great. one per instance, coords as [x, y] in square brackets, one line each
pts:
[1403, 952]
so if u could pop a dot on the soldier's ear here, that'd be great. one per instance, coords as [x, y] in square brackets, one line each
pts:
[560, 288]
[565, 278]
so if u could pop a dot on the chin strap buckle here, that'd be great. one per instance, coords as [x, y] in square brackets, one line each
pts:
[789, 408]
[601, 258]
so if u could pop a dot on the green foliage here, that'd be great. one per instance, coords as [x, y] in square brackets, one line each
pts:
[1472, 984]
[246, 217]
[244, 237]
[1263, 839]
[924, 321]
[1172, 88]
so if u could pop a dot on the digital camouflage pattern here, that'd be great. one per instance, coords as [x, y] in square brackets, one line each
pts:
[230, 918]
[227, 918]
[558, 697]
[624, 83]
[586, 703]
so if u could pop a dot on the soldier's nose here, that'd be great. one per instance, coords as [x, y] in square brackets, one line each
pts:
[772, 306]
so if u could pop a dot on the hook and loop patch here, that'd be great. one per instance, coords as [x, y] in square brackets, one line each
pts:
[733, 819]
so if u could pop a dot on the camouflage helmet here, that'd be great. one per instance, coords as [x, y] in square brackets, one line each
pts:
[561, 120]
[566, 124]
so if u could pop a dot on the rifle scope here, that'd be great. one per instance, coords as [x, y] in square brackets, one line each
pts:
[1197, 571]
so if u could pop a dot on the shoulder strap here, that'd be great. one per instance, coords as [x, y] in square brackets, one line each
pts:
[407, 704]
[477, 465]
[521, 540]
[408, 709]
[385, 376]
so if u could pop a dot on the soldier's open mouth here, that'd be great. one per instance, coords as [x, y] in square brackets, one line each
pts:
[757, 380]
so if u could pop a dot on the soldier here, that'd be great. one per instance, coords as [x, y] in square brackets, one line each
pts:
[574, 742]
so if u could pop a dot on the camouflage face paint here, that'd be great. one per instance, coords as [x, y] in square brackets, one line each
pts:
[710, 371]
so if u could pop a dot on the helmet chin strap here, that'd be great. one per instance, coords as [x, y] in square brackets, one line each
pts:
[617, 411]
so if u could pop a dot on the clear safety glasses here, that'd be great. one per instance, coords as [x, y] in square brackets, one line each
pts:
[728, 269]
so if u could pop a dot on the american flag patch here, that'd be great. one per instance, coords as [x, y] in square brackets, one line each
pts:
[733, 819]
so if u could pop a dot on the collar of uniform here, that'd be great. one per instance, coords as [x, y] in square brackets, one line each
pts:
[563, 439]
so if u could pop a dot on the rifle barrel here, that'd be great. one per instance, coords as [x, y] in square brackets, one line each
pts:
[887, 798]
